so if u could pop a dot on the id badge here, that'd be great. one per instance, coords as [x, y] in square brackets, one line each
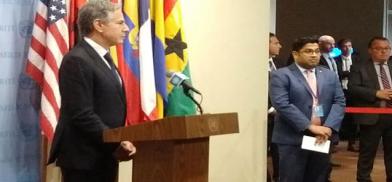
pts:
[318, 111]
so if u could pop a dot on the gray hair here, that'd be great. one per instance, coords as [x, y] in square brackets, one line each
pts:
[326, 38]
[94, 9]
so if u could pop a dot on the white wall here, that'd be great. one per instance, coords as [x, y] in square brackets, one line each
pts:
[227, 47]
[228, 43]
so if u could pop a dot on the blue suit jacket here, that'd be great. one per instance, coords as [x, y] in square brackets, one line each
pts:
[291, 96]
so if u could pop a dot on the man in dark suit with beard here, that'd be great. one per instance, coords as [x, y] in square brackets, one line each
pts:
[93, 99]
[344, 63]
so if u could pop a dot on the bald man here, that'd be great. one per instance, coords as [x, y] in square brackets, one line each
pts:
[327, 43]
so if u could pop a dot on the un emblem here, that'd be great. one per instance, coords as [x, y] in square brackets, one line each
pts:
[25, 28]
[26, 82]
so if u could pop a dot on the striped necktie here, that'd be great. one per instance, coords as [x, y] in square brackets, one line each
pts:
[385, 82]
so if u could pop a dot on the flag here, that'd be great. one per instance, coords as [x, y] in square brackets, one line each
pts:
[127, 56]
[49, 43]
[147, 78]
[159, 55]
[141, 60]
[74, 8]
[176, 59]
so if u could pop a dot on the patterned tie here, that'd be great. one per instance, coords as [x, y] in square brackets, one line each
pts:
[109, 59]
[385, 82]
[312, 83]
[313, 86]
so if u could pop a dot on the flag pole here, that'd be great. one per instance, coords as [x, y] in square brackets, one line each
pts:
[44, 156]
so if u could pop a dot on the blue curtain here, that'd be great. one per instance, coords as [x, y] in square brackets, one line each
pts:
[19, 96]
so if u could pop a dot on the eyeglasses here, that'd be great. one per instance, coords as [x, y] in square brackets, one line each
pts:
[379, 49]
[311, 51]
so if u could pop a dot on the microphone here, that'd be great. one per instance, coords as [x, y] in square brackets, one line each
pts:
[178, 79]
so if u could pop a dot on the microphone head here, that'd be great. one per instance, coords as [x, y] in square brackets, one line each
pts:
[169, 74]
[176, 78]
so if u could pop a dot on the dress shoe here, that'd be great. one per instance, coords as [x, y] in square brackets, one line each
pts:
[352, 148]
[335, 164]
[334, 149]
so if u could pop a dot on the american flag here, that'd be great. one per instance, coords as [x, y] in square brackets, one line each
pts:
[49, 43]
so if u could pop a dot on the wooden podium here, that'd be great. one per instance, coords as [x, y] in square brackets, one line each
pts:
[173, 149]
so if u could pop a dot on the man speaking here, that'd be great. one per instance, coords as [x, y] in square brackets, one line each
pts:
[93, 99]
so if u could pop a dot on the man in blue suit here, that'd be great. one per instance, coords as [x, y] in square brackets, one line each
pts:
[309, 101]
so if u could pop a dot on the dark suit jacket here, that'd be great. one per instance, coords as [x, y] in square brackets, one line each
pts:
[344, 74]
[278, 64]
[323, 62]
[291, 97]
[363, 85]
[92, 101]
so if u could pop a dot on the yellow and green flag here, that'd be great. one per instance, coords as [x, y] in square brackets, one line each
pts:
[154, 47]
[176, 59]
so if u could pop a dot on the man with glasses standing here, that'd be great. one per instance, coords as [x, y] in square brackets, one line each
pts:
[309, 101]
[370, 86]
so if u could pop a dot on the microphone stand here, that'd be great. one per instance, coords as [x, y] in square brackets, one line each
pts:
[188, 94]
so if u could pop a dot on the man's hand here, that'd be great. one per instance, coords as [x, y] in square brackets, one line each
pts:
[385, 94]
[322, 133]
[129, 147]
[125, 151]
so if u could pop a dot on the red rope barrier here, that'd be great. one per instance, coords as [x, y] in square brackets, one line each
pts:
[369, 110]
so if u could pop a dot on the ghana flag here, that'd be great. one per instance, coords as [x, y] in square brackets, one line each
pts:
[176, 59]
[154, 46]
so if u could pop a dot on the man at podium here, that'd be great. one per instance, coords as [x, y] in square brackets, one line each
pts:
[93, 99]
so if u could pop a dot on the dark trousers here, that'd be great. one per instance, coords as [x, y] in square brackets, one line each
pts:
[298, 165]
[369, 140]
[349, 128]
[273, 151]
[108, 174]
